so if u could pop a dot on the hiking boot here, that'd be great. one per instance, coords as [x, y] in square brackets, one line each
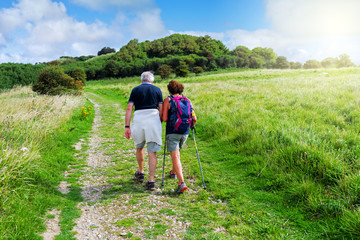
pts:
[139, 176]
[181, 188]
[172, 175]
[150, 186]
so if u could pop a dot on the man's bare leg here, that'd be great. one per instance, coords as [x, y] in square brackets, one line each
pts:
[152, 166]
[140, 159]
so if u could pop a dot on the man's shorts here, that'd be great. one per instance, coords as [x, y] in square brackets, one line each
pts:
[151, 146]
[175, 141]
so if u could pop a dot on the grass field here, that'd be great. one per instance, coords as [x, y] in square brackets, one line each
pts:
[279, 151]
[283, 141]
[36, 137]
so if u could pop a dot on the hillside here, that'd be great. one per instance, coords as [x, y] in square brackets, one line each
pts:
[279, 151]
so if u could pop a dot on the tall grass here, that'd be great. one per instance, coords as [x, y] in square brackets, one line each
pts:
[26, 119]
[29, 128]
[303, 124]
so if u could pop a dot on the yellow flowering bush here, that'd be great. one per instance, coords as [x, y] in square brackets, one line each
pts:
[86, 112]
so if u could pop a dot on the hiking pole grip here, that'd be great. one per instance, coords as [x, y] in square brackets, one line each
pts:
[193, 128]
[197, 153]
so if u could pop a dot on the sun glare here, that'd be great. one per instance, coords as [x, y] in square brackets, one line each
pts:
[333, 22]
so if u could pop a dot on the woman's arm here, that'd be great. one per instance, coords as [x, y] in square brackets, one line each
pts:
[194, 118]
[165, 111]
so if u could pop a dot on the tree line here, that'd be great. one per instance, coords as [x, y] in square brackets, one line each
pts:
[177, 53]
[13, 74]
[182, 54]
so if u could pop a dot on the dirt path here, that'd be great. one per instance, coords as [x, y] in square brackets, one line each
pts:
[115, 206]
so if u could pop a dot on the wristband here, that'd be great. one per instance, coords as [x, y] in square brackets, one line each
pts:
[127, 126]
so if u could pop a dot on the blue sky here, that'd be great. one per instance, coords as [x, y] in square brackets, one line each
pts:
[43, 30]
[213, 16]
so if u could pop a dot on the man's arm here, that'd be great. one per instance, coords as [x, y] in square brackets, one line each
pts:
[161, 111]
[128, 114]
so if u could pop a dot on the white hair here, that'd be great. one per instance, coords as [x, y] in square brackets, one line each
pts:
[147, 77]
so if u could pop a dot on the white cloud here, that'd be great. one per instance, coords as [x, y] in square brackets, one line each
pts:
[252, 39]
[315, 29]
[147, 25]
[44, 30]
[2, 39]
[314, 17]
[101, 4]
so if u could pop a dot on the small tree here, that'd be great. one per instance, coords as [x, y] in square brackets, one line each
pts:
[295, 65]
[182, 70]
[344, 61]
[329, 62]
[255, 61]
[165, 71]
[53, 81]
[106, 50]
[198, 70]
[310, 64]
[267, 56]
[112, 68]
[53, 63]
[90, 73]
[78, 74]
[282, 63]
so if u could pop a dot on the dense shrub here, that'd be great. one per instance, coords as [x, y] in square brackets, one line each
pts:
[17, 74]
[282, 63]
[198, 70]
[106, 50]
[226, 61]
[182, 70]
[90, 73]
[310, 64]
[78, 74]
[112, 68]
[295, 65]
[54, 81]
[165, 71]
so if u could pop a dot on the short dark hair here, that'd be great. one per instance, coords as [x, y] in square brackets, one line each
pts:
[175, 87]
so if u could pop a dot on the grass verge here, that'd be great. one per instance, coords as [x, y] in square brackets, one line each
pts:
[35, 151]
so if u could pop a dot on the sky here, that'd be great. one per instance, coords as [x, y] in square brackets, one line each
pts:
[34, 31]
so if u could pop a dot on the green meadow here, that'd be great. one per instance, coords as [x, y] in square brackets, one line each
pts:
[279, 150]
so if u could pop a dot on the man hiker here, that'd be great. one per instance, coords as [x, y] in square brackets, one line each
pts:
[146, 127]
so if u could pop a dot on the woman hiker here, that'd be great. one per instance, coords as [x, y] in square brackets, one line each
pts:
[176, 134]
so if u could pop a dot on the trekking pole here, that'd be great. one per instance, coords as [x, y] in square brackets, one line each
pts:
[197, 153]
[162, 181]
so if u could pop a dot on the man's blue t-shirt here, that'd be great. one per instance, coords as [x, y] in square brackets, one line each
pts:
[146, 96]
